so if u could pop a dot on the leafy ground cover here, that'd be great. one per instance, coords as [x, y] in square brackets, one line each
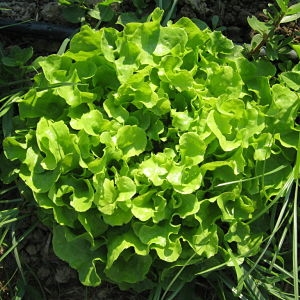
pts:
[179, 212]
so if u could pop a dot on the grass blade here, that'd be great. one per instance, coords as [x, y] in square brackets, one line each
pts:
[295, 243]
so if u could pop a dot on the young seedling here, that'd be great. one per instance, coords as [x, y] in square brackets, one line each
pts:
[267, 39]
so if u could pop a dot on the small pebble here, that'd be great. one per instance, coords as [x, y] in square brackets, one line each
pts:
[64, 274]
[31, 249]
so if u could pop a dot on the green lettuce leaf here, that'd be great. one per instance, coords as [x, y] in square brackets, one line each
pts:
[150, 145]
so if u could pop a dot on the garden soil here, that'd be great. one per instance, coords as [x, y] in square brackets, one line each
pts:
[47, 276]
